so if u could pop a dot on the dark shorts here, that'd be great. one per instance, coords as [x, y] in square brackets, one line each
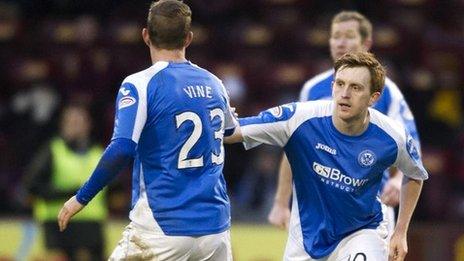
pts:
[77, 234]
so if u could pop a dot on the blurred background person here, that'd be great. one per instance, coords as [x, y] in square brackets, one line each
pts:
[55, 174]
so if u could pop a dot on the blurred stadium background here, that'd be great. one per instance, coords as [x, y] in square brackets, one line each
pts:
[56, 51]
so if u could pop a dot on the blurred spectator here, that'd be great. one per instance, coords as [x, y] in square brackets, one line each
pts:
[54, 175]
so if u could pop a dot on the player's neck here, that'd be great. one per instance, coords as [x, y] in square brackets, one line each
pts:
[352, 127]
[167, 55]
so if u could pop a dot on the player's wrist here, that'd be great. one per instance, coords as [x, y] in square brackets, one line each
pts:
[401, 229]
[281, 202]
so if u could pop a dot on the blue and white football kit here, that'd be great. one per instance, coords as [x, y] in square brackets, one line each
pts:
[391, 103]
[337, 177]
[175, 115]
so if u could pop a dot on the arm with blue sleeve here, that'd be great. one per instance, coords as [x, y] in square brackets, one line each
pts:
[121, 150]
[119, 153]
[131, 112]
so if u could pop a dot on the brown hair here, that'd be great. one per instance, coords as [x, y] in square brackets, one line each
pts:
[364, 59]
[365, 26]
[169, 23]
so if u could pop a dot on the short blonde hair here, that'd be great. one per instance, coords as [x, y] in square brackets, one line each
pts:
[365, 26]
[364, 59]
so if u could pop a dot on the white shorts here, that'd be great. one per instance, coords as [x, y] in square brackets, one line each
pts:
[389, 216]
[140, 244]
[362, 245]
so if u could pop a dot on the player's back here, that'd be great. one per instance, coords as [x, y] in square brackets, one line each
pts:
[179, 162]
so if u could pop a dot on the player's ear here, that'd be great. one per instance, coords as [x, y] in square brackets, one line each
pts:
[367, 44]
[146, 37]
[374, 98]
[188, 39]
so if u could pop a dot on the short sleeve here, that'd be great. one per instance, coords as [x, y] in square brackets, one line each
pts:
[409, 159]
[130, 116]
[270, 127]
[230, 121]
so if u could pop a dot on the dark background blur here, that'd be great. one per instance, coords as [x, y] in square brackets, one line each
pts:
[56, 51]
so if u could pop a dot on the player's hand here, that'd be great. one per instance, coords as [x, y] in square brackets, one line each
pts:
[398, 247]
[279, 216]
[69, 209]
[391, 192]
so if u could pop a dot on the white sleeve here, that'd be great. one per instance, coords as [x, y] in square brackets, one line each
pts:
[230, 121]
[398, 109]
[409, 160]
[269, 127]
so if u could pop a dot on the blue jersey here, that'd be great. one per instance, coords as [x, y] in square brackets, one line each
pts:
[177, 114]
[391, 103]
[336, 177]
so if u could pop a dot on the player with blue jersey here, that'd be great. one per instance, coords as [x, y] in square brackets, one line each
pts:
[350, 31]
[170, 119]
[338, 151]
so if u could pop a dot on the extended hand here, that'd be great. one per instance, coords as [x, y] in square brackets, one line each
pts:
[279, 216]
[69, 209]
[398, 247]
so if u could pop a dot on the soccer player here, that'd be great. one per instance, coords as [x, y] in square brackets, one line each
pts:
[350, 31]
[171, 119]
[337, 152]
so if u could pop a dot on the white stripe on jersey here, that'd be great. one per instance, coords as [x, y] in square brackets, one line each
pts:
[142, 214]
[313, 81]
[397, 131]
[140, 80]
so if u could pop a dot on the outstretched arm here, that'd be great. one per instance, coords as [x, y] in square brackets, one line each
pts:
[235, 137]
[280, 213]
[410, 191]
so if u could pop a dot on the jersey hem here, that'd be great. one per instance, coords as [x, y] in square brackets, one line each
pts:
[198, 232]
[331, 249]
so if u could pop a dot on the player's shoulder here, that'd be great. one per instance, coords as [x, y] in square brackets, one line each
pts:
[142, 78]
[206, 72]
[316, 80]
[393, 89]
[393, 128]
[211, 76]
[314, 109]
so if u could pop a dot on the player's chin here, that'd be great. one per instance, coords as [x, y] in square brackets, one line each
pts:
[344, 114]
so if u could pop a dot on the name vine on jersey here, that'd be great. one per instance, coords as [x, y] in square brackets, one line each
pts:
[177, 113]
[336, 177]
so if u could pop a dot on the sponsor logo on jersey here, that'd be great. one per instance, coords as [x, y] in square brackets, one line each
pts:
[320, 146]
[412, 148]
[366, 158]
[334, 177]
[283, 110]
[124, 91]
[276, 111]
[126, 102]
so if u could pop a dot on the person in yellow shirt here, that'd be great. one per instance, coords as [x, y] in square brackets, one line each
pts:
[56, 173]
